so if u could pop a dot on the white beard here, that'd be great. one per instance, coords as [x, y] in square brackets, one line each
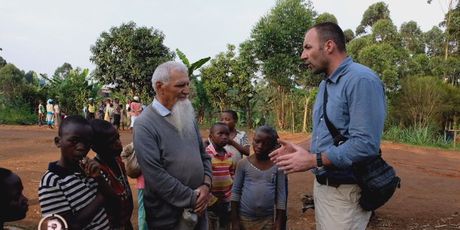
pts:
[183, 117]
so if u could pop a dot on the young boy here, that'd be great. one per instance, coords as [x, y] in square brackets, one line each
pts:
[259, 186]
[223, 169]
[73, 186]
[13, 204]
[107, 145]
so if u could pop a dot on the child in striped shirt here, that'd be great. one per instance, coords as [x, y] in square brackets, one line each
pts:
[223, 168]
[73, 186]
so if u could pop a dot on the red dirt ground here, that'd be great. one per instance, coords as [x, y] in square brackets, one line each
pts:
[428, 199]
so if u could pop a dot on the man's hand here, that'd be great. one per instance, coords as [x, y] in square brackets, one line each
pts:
[292, 158]
[202, 200]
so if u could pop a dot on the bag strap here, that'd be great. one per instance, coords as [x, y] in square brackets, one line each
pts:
[336, 135]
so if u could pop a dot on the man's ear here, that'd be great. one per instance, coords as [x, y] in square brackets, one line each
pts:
[329, 46]
[158, 86]
[57, 142]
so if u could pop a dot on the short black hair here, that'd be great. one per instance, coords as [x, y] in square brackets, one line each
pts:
[4, 173]
[233, 113]
[331, 31]
[100, 129]
[271, 132]
[215, 125]
[73, 119]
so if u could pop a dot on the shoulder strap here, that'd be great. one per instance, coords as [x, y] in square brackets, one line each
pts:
[338, 138]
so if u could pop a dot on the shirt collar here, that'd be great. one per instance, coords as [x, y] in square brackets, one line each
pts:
[340, 71]
[160, 108]
[60, 171]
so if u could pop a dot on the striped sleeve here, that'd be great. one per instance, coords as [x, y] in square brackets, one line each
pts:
[50, 195]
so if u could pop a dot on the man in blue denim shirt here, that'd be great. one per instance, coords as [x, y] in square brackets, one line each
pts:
[356, 107]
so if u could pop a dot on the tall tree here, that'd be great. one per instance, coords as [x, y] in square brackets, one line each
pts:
[412, 37]
[277, 39]
[326, 17]
[434, 40]
[127, 56]
[62, 71]
[373, 13]
[12, 84]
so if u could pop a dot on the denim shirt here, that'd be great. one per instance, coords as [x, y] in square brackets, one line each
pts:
[356, 106]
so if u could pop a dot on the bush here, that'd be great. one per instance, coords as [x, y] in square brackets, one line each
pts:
[417, 136]
[20, 115]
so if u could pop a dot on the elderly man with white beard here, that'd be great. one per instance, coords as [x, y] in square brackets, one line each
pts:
[170, 152]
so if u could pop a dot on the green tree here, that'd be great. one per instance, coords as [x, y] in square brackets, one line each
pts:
[326, 17]
[349, 35]
[73, 91]
[218, 78]
[434, 40]
[421, 100]
[374, 12]
[12, 83]
[277, 40]
[2, 62]
[127, 56]
[63, 70]
[198, 95]
[412, 37]
[385, 31]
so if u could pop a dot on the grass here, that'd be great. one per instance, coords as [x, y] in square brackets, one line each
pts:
[20, 115]
[417, 136]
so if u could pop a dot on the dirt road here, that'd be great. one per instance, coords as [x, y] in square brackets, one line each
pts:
[428, 199]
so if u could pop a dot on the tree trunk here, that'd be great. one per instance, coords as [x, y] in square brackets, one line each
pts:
[305, 112]
[292, 116]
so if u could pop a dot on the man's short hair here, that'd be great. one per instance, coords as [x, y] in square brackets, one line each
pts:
[331, 31]
[163, 72]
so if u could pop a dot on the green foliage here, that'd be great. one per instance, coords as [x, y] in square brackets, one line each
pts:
[434, 40]
[12, 83]
[200, 99]
[385, 31]
[326, 17]
[127, 57]
[72, 91]
[278, 38]
[18, 114]
[412, 37]
[374, 12]
[383, 59]
[421, 101]
[349, 35]
[426, 136]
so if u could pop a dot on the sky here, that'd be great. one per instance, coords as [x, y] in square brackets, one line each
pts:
[42, 35]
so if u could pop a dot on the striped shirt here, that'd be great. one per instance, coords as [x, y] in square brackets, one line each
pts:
[223, 169]
[62, 190]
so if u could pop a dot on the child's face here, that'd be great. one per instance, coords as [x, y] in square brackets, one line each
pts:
[112, 146]
[227, 118]
[17, 204]
[262, 144]
[219, 135]
[74, 142]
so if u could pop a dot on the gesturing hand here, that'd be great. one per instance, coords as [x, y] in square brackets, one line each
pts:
[292, 158]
